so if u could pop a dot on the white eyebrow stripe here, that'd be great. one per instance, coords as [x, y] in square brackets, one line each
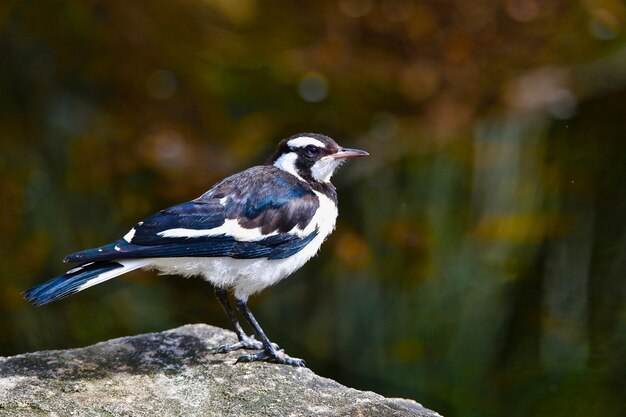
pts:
[302, 141]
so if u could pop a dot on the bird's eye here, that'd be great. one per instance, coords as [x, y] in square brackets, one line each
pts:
[311, 150]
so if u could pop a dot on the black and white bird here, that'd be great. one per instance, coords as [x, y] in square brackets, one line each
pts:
[247, 232]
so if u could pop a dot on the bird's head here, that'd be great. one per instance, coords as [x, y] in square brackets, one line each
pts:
[312, 157]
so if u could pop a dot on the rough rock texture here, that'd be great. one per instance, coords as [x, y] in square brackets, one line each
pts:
[176, 373]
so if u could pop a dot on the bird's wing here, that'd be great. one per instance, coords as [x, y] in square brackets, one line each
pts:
[250, 215]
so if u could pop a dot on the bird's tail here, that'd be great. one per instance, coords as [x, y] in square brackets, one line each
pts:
[79, 278]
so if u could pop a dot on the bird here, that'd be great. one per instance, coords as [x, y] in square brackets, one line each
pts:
[246, 233]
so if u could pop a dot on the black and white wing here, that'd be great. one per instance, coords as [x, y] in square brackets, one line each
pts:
[261, 212]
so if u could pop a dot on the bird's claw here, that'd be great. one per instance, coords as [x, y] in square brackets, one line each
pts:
[277, 356]
[247, 342]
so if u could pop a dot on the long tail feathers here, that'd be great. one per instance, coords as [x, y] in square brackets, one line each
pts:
[79, 278]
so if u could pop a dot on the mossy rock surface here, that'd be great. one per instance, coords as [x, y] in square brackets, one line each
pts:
[176, 373]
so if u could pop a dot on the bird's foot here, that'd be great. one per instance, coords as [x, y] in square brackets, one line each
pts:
[247, 342]
[275, 356]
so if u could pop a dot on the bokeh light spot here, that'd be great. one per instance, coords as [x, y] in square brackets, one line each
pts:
[397, 11]
[419, 81]
[166, 148]
[355, 8]
[313, 87]
[522, 10]
[353, 251]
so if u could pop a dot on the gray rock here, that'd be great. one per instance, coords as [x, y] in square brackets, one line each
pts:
[176, 373]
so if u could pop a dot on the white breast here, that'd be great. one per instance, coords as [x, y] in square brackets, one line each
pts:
[248, 276]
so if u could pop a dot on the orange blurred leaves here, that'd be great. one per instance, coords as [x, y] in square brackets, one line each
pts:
[352, 250]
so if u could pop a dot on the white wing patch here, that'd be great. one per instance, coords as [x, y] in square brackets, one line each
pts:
[323, 219]
[129, 236]
[131, 233]
[248, 276]
[302, 141]
[231, 227]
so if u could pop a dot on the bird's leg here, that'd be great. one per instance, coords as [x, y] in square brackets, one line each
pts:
[270, 352]
[245, 341]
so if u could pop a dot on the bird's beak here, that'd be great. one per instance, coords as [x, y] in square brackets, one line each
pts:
[347, 153]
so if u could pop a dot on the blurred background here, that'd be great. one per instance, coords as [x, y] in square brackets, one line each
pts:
[479, 261]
